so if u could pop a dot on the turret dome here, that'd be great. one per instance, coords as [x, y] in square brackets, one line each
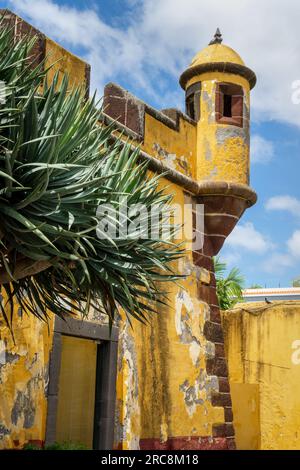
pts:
[219, 58]
[217, 53]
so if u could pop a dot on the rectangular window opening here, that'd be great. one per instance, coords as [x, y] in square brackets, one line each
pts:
[190, 107]
[192, 101]
[229, 104]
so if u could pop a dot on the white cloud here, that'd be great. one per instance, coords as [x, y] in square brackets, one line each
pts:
[278, 263]
[110, 51]
[262, 150]
[163, 35]
[294, 244]
[231, 258]
[284, 203]
[247, 237]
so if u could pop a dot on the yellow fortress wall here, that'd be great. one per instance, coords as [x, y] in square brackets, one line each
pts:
[262, 346]
[172, 381]
[164, 392]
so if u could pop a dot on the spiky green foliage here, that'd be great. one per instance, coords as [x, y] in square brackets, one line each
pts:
[229, 288]
[57, 165]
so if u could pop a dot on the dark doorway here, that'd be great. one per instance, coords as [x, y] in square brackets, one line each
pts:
[82, 384]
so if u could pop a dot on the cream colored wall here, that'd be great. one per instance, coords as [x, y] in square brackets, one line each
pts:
[263, 354]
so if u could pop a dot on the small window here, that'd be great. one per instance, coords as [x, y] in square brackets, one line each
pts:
[229, 104]
[192, 101]
[190, 106]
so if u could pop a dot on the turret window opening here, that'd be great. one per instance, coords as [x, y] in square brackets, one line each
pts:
[190, 107]
[192, 101]
[229, 104]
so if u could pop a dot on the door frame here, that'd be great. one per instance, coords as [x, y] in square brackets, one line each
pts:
[106, 374]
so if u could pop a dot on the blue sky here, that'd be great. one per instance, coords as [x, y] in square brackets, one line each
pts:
[144, 45]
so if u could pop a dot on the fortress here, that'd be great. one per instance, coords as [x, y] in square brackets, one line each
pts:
[164, 385]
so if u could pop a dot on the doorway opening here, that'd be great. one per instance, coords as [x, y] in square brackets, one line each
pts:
[82, 384]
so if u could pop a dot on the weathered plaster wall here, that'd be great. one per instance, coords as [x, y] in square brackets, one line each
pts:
[45, 49]
[23, 380]
[262, 346]
[163, 143]
[66, 62]
[164, 391]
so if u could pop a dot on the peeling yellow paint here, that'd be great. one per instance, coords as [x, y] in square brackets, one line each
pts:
[23, 381]
[174, 390]
[176, 149]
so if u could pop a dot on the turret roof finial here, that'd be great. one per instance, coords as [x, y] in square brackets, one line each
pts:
[217, 38]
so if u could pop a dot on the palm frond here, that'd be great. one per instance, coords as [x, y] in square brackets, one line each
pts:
[229, 288]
